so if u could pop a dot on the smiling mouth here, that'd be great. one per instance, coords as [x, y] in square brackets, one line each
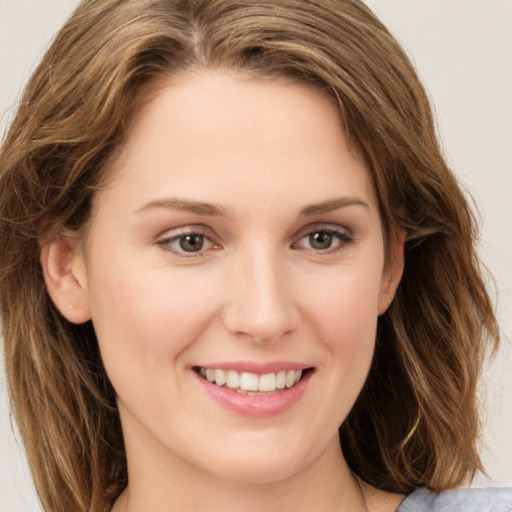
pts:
[252, 383]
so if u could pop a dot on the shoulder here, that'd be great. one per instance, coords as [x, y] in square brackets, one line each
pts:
[490, 499]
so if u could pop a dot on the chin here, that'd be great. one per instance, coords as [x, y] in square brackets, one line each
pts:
[259, 471]
[263, 461]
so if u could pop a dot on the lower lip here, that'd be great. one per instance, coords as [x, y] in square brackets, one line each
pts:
[262, 406]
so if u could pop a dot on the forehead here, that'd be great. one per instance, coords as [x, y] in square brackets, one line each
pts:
[258, 137]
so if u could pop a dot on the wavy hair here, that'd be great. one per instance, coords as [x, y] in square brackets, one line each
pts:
[416, 421]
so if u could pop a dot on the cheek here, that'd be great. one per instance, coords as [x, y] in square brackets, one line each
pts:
[145, 316]
[346, 306]
[350, 335]
[345, 320]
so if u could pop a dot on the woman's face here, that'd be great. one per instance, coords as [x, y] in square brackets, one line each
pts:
[239, 240]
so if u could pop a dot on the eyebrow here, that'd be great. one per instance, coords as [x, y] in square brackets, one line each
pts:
[332, 205]
[214, 210]
[196, 207]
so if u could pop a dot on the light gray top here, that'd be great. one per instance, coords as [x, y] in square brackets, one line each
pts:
[489, 499]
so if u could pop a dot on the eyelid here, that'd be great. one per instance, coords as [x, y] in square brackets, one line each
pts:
[166, 237]
[183, 230]
[322, 226]
[345, 236]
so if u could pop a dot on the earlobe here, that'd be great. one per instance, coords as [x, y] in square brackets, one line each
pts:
[393, 271]
[65, 277]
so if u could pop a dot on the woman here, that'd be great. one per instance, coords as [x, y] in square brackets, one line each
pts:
[233, 231]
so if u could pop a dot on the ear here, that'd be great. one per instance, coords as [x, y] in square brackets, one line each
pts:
[65, 277]
[393, 270]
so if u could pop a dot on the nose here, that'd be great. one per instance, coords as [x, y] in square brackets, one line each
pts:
[260, 305]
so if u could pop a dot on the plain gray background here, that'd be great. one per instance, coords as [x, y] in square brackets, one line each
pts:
[463, 51]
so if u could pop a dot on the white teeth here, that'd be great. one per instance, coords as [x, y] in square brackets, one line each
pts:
[267, 382]
[252, 383]
[220, 377]
[290, 378]
[281, 380]
[232, 379]
[249, 381]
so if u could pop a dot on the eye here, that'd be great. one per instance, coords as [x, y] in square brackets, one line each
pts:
[187, 243]
[320, 240]
[191, 243]
[324, 240]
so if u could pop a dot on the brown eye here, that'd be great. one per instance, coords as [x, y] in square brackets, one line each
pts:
[326, 240]
[320, 240]
[191, 243]
[187, 244]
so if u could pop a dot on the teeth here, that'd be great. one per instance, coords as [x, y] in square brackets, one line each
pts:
[267, 382]
[249, 382]
[290, 378]
[233, 379]
[281, 380]
[220, 377]
[252, 382]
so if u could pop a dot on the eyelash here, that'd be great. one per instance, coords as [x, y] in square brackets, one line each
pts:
[343, 238]
[166, 243]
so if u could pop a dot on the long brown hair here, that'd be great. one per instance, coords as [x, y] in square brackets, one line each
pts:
[416, 420]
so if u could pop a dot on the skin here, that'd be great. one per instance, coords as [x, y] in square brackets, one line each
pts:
[259, 290]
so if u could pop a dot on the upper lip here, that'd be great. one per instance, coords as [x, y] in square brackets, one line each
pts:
[258, 368]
